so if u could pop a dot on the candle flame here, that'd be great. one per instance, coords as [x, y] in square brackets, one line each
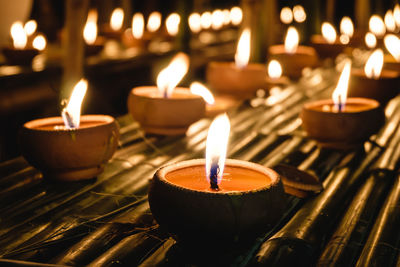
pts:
[389, 21]
[117, 19]
[90, 30]
[227, 16]
[154, 21]
[274, 69]
[199, 89]
[242, 55]
[344, 39]
[169, 77]
[30, 27]
[370, 40]
[299, 13]
[195, 22]
[72, 112]
[286, 15]
[392, 44]
[347, 27]
[206, 20]
[374, 64]
[18, 35]
[329, 32]
[39, 42]
[172, 24]
[236, 15]
[216, 146]
[137, 25]
[291, 40]
[396, 14]
[217, 19]
[339, 95]
[377, 26]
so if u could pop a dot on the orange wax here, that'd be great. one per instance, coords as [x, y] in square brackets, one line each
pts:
[57, 123]
[348, 108]
[234, 179]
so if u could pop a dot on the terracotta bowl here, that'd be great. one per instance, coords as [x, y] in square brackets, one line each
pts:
[342, 130]
[225, 78]
[324, 49]
[195, 216]
[165, 116]
[382, 89]
[69, 155]
[129, 41]
[293, 64]
[20, 56]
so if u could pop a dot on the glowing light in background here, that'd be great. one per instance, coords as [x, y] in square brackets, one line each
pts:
[137, 25]
[206, 20]
[195, 22]
[377, 26]
[299, 14]
[172, 24]
[286, 15]
[117, 19]
[236, 15]
[370, 40]
[154, 21]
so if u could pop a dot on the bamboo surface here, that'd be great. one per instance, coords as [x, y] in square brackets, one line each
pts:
[106, 221]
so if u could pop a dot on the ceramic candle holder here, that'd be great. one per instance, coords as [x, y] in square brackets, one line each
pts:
[165, 116]
[94, 49]
[227, 79]
[350, 128]
[325, 49]
[382, 89]
[69, 154]
[250, 201]
[293, 64]
[19, 56]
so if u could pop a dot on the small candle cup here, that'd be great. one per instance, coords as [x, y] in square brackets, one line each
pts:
[293, 64]
[22, 57]
[382, 89]
[96, 47]
[226, 78]
[69, 154]
[325, 49]
[347, 129]
[165, 116]
[250, 201]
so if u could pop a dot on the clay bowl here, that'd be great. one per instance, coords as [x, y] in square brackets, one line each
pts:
[214, 217]
[96, 48]
[107, 32]
[226, 79]
[324, 49]
[22, 57]
[129, 41]
[293, 64]
[165, 116]
[342, 130]
[69, 155]
[382, 89]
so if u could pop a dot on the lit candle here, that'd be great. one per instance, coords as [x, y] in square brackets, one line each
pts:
[238, 79]
[114, 28]
[214, 105]
[165, 109]
[94, 44]
[236, 15]
[292, 56]
[71, 147]
[135, 36]
[275, 77]
[341, 122]
[21, 53]
[328, 45]
[215, 199]
[373, 81]
[172, 24]
[154, 22]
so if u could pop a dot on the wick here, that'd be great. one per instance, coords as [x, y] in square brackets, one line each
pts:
[69, 123]
[340, 105]
[214, 176]
[165, 92]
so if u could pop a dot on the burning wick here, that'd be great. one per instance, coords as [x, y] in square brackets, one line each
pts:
[72, 112]
[216, 144]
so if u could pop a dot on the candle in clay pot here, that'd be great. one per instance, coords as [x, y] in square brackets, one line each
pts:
[71, 147]
[342, 123]
[275, 77]
[374, 81]
[215, 200]
[294, 58]
[240, 79]
[134, 37]
[20, 53]
[327, 44]
[114, 29]
[166, 110]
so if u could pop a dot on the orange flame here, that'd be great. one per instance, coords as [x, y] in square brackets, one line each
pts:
[291, 40]
[18, 35]
[199, 89]
[242, 55]
[117, 19]
[39, 42]
[90, 30]
[72, 112]
[374, 64]
[329, 32]
[339, 95]
[154, 21]
[274, 69]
